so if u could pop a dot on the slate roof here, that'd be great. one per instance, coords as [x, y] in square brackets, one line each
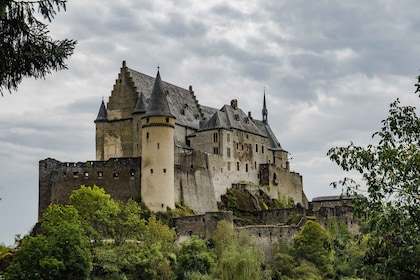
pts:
[182, 102]
[140, 105]
[102, 114]
[273, 143]
[158, 104]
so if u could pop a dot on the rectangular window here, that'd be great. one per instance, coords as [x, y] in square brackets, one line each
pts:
[228, 137]
[256, 148]
[228, 152]
[215, 137]
[262, 149]
[246, 167]
[228, 166]
[215, 150]
[237, 166]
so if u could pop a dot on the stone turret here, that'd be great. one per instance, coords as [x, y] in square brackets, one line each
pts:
[158, 125]
[100, 123]
[138, 112]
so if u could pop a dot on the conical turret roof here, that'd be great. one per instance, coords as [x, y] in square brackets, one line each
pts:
[140, 105]
[102, 114]
[158, 105]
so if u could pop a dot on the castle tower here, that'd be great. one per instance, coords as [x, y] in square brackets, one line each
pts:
[100, 122]
[139, 110]
[158, 125]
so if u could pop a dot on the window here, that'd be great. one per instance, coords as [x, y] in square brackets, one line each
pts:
[228, 137]
[132, 173]
[86, 174]
[151, 171]
[164, 170]
[256, 148]
[237, 145]
[228, 166]
[237, 165]
[158, 146]
[262, 149]
[147, 135]
[216, 150]
[215, 137]
[100, 174]
[228, 152]
[167, 120]
[116, 175]
[148, 120]
[75, 174]
[246, 167]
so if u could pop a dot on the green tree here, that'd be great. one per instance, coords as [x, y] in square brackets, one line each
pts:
[25, 47]
[97, 211]
[313, 244]
[237, 257]
[194, 257]
[391, 208]
[59, 251]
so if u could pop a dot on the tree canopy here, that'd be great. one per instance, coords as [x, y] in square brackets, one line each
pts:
[26, 48]
[391, 206]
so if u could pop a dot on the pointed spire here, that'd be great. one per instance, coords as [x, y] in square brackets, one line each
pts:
[140, 105]
[264, 110]
[102, 114]
[158, 105]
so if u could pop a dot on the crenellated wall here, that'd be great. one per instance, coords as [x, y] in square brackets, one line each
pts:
[120, 177]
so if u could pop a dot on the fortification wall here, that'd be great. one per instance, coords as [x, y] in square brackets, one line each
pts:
[265, 236]
[338, 214]
[120, 177]
[280, 216]
[193, 184]
[202, 226]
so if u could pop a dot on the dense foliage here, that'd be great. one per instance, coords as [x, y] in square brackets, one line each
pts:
[95, 237]
[25, 47]
[391, 206]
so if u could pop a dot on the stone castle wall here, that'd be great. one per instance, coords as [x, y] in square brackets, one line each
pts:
[120, 177]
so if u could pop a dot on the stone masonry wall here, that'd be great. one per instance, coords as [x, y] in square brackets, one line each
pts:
[119, 177]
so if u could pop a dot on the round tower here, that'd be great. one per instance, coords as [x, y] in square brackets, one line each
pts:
[157, 164]
[101, 122]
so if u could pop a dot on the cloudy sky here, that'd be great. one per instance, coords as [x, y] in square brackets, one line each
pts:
[330, 69]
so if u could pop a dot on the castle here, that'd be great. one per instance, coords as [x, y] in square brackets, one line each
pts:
[157, 143]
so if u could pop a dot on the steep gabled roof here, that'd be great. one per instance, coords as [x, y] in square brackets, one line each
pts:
[102, 114]
[230, 118]
[182, 102]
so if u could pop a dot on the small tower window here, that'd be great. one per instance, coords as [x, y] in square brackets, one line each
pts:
[100, 174]
[262, 149]
[148, 120]
[228, 137]
[246, 167]
[256, 148]
[75, 174]
[158, 146]
[151, 171]
[237, 165]
[228, 166]
[164, 170]
[167, 120]
[147, 135]
[86, 174]
[228, 152]
[216, 150]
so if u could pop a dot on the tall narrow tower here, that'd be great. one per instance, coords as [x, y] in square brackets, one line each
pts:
[100, 122]
[158, 125]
